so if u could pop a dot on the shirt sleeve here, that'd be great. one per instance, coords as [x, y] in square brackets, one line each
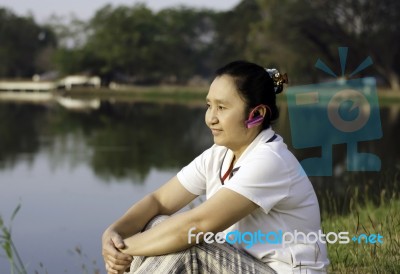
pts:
[263, 180]
[193, 176]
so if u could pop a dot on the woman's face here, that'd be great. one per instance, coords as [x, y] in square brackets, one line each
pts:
[225, 115]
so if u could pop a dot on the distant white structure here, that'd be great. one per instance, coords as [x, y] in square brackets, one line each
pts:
[26, 86]
[27, 96]
[37, 83]
[79, 80]
[78, 104]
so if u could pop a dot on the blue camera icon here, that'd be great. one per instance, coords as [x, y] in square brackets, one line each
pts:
[337, 112]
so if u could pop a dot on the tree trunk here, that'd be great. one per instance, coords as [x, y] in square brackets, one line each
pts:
[394, 81]
[390, 76]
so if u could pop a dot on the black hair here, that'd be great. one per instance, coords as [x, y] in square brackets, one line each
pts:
[255, 87]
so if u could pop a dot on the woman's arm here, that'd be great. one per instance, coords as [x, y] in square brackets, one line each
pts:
[164, 201]
[225, 208]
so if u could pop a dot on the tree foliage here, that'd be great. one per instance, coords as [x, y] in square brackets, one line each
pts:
[137, 45]
[233, 32]
[23, 46]
[134, 44]
[310, 29]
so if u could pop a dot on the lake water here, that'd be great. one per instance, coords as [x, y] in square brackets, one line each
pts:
[75, 172]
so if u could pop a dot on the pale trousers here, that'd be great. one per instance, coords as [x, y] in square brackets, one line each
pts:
[199, 259]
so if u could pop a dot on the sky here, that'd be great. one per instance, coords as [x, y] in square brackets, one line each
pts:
[42, 9]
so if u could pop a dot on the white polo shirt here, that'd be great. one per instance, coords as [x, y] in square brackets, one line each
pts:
[268, 174]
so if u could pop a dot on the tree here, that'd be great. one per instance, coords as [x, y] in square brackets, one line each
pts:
[136, 44]
[122, 41]
[233, 32]
[186, 42]
[24, 46]
[373, 30]
[309, 29]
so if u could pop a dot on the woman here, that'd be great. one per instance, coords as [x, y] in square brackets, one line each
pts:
[254, 186]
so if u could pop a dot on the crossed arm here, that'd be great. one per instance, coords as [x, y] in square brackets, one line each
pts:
[122, 239]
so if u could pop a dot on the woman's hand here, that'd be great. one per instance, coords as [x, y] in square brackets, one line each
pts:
[115, 261]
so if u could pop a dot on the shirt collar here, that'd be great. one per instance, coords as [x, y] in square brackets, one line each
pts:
[262, 137]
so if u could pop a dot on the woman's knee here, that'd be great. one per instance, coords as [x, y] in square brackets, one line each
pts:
[155, 221]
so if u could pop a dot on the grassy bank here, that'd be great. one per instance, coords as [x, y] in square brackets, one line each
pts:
[365, 257]
[163, 94]
[179, 94]
[353, 257]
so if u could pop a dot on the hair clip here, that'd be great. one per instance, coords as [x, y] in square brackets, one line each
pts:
[278, 78]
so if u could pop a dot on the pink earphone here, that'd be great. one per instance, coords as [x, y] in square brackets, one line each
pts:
[255, 118]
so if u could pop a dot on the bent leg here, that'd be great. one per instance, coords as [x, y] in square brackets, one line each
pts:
[224, 258]
[202, 258]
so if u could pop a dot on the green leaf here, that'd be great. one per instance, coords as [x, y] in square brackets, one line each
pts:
[15, 211]
[7, 249]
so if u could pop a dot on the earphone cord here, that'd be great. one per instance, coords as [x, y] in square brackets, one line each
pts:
[230, 169]
[223, 178]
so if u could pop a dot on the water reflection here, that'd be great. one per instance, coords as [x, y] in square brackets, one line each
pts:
[19, 132]
[75, 172]
[120, 141]
[131, 139]
[117, 140]
[74, 104]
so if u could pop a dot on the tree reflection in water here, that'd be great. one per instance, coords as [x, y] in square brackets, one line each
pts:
[126, 140]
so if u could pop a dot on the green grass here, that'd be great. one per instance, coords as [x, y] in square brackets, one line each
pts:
[8, 246]
[364, 217]
[157, 94]
[190, 95]
[368, 218]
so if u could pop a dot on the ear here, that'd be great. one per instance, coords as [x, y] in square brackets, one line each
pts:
[262, 110]
[256, 116]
